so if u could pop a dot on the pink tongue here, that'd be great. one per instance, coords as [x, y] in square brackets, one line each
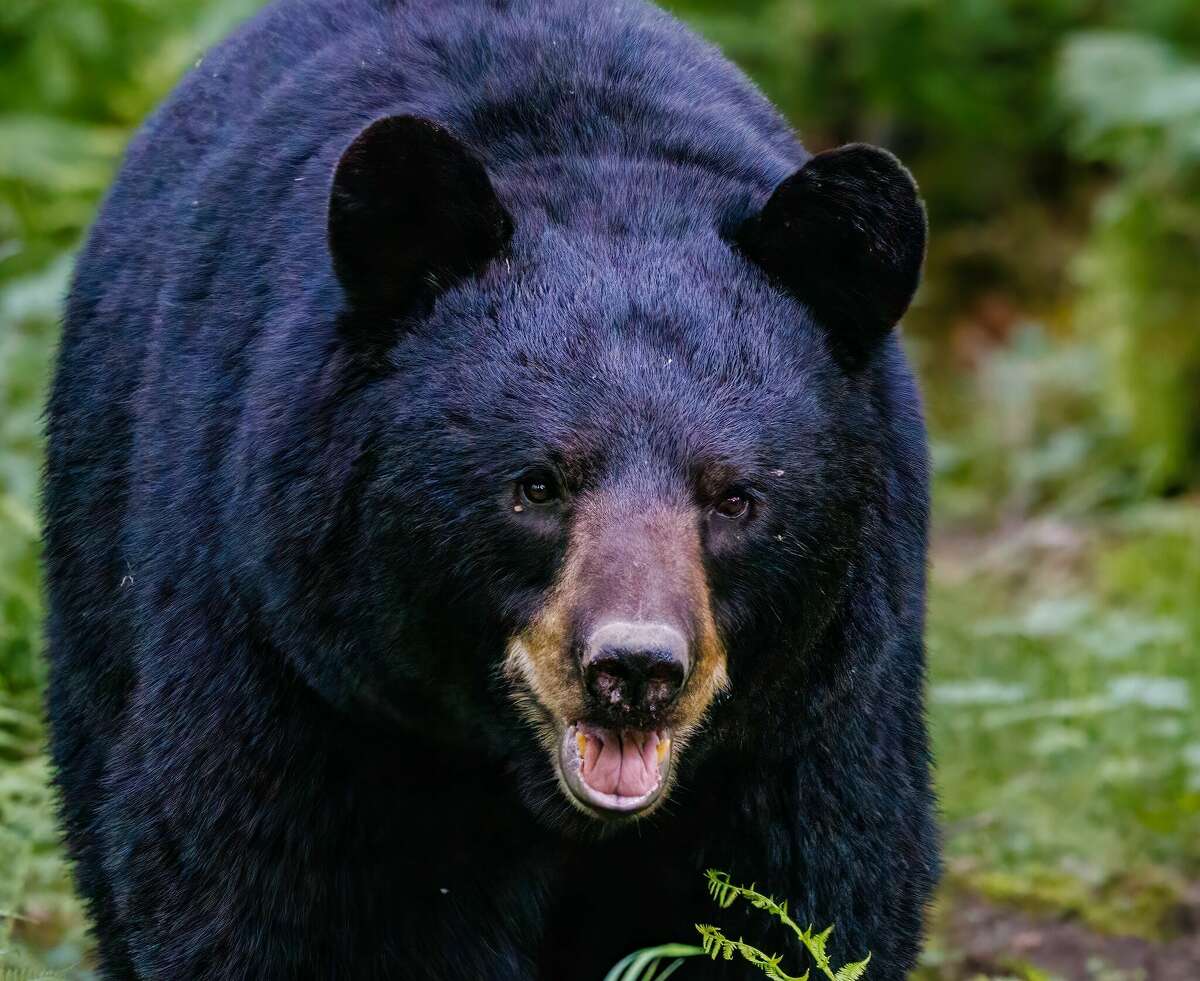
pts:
[624, 763]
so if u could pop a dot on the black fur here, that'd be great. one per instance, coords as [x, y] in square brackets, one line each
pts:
[282, 573]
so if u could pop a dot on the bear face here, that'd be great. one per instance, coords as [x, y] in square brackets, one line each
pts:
[624, 446]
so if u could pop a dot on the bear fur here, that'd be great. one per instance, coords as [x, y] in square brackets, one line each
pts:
[370, 263]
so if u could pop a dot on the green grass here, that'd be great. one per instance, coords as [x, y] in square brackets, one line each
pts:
[42, 925]
[1064, 709]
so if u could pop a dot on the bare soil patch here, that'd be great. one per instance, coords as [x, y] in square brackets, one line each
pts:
[993, 940]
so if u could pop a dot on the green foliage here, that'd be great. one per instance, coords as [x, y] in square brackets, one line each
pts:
[28, 306]
[74, 80]
[1031, 436]
[1136, 103]
[643, 965]
[648, 964]
[716, 944]
[36, 902]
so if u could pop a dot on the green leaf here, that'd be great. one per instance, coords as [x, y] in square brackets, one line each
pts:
[852, 972]
[643, 965]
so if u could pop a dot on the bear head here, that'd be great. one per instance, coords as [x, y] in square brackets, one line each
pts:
[617, 434]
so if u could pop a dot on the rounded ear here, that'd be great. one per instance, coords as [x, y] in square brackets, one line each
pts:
[412, 210]
[845, 235]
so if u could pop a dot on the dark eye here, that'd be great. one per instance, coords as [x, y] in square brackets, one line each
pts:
[733, 505]
[539, 489]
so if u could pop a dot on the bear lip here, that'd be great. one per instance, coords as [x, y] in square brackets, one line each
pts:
[618, 772]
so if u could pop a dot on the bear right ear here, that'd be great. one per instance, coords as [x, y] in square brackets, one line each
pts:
[845, 235]
[412, 210]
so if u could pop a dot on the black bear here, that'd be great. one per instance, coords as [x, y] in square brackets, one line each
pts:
[485, 489]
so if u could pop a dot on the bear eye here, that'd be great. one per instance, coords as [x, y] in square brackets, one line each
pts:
[539, 488]
[733, 505]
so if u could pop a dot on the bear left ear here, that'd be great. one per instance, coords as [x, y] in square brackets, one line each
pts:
[412, 210]
[845, 235]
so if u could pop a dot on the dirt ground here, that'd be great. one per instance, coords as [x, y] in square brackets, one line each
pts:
[982, 938]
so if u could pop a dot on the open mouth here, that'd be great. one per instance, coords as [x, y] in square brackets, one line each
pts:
[615, 772]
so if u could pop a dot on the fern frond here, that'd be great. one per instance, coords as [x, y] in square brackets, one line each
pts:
[816, 947]
[724, 892]
[644, 965]
[852, 972]
[713, 942]
[717, 945]
[721, 889]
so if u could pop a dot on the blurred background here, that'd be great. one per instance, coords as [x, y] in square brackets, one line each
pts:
[1058, 339]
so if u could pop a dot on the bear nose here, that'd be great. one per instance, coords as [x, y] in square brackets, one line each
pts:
[634, 671]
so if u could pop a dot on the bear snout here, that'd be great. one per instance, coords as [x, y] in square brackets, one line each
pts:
[634, 672]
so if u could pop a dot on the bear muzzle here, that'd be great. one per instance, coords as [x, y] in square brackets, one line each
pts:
[619, 666]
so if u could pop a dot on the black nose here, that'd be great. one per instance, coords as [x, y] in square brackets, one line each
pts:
[634, 671]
